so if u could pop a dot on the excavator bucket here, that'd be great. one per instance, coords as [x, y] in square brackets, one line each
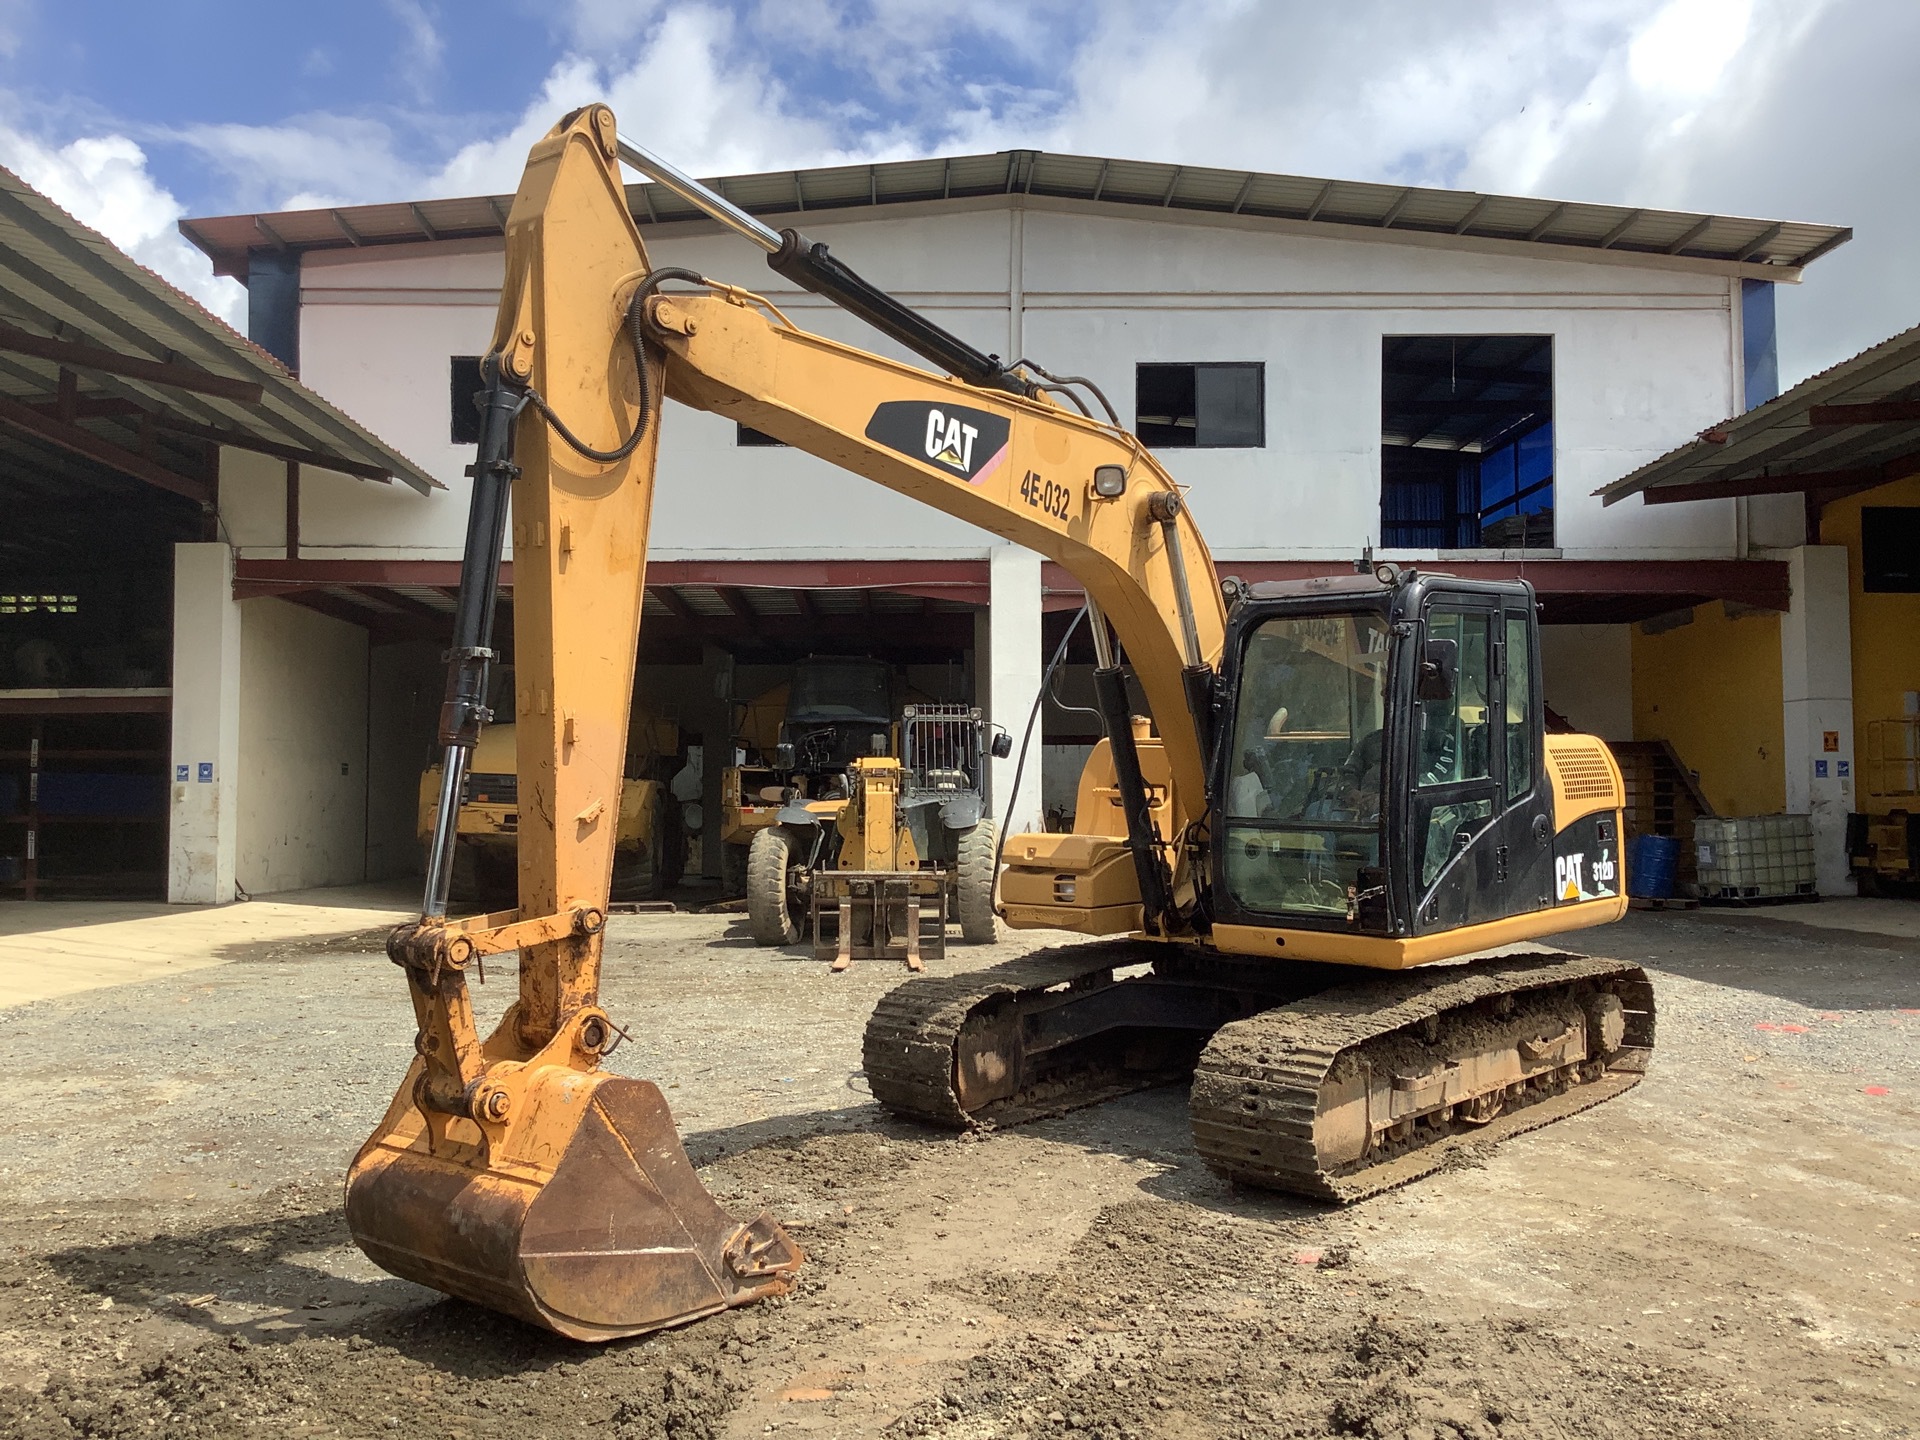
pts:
[580, 1213]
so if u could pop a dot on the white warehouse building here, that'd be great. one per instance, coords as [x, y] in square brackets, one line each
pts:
[1442, 376]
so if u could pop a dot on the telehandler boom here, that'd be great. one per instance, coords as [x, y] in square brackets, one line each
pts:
[1335, 781]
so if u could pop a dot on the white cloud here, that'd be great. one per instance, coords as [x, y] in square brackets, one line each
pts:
[422, 48]
[1795, 108]
[104, 182]
[1685, 49]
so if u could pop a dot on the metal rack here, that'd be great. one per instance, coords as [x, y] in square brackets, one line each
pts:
[23, 834]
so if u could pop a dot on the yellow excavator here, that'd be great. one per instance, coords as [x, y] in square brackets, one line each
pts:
[1334, 786]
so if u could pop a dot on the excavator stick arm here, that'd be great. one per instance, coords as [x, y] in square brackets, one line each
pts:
[515, 1171]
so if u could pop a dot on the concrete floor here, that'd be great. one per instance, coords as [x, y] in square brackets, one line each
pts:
[51, 948]
[62, 947]
[1731, 1251]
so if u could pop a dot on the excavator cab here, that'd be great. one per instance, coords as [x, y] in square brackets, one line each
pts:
[1386, 770]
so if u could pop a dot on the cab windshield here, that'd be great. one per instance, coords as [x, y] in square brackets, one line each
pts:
[1303, 794]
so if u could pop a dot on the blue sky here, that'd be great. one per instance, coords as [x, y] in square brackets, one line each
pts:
[134, 114]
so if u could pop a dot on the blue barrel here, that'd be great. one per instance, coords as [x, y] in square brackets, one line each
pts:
[1650, 862]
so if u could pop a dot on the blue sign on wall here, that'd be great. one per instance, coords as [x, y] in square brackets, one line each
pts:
[206, 771]
[180, 773]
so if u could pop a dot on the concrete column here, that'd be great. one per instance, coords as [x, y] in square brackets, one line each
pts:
[1013, 668]
[1816, 673]
[716, 753]
[204, 820]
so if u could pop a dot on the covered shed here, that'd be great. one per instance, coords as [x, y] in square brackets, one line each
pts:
[1839, 453]
[122, 404]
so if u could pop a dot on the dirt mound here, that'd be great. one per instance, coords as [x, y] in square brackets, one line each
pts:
[1169, 1322]
[461, 1373]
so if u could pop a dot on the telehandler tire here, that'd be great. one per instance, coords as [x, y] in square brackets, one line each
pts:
[973, 881]
[772, 915]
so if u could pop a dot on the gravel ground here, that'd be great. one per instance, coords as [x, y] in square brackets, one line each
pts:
[1732, 1249]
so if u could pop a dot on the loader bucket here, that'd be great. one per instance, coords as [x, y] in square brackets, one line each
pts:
[580, 1213]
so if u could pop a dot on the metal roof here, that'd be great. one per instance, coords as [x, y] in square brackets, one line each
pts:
[1781, 247]
[102, 363]
[1851, 428]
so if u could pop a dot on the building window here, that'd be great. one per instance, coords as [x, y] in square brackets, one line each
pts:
[1207, 406]
[1466, 442]
[1890, 549]
[465, 386]
[747, 435]
[39, 604]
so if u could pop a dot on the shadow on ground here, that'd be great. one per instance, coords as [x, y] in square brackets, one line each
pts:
[1820, 968]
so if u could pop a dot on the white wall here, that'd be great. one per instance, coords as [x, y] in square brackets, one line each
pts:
[203, 813]
[302, 749]
[1816, 674]
[1644, 357]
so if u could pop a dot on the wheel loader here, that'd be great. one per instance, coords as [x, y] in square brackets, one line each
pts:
[1304, 865]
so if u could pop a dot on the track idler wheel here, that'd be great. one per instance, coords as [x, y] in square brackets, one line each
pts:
[566, 1200]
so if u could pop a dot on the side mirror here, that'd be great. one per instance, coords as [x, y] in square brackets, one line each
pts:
[1439, 668]
[1001, 746]
[783, 755]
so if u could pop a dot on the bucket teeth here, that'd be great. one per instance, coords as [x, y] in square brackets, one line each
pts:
[583, 1215]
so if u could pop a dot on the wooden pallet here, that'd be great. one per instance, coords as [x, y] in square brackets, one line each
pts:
[1675, 902]
[1663, 798]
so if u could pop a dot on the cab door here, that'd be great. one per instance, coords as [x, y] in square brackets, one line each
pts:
[1455, 763]
[1516, 869]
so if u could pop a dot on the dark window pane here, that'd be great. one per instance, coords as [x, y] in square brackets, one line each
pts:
[1163, 408]
[1454, 731]
[1890, 549]
[1466, 441]
[1519, 709]
[747, 435]
[1227, 405]
[465, 386]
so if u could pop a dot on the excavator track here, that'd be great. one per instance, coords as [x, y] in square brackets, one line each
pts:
[1309, 1082]
[916, 1049]
[1265, 1086]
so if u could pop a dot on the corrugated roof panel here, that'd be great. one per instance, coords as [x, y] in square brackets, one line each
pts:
[766, 601]
[228, 239]
[1776, 443]
[702, 600]
[63, 283]
[428, 595]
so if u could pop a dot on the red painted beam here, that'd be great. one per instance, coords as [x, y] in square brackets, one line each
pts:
[84, 442]
[932, 579]
[1823, 484]
[1868, 412]
[134, 367]
[1750, 582]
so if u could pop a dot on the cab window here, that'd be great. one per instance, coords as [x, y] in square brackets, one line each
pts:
[1519, 708]
[1304, 790]
[1454, 742]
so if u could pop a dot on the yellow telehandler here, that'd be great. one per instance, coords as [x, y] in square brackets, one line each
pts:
[1338, 783]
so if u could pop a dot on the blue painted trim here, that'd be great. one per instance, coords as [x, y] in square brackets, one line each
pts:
[1761, 341]
[273, 304]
